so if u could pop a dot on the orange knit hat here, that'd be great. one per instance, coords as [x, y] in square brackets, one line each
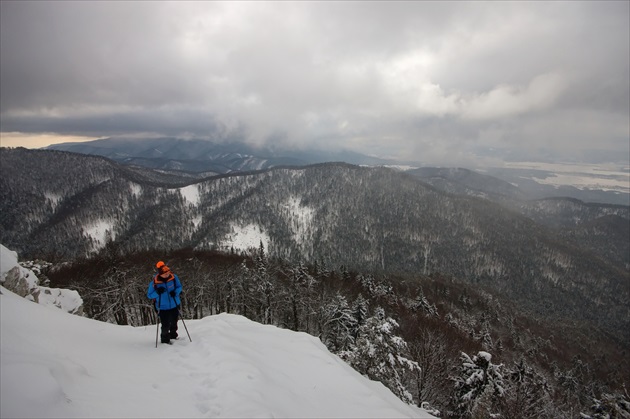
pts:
[161, 266]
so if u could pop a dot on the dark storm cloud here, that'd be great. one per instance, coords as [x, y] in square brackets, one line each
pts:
[441, 81]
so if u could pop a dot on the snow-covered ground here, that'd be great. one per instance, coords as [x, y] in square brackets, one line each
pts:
[301, 217]
[245, 237]
[191, 194]
[99, 231]
[56, 364]
[26, 282]
[610, 177]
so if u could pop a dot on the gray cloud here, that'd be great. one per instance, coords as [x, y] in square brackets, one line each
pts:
[447, 82]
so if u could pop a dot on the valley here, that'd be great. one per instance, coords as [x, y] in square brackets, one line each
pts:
[453, 242]
[63, 206]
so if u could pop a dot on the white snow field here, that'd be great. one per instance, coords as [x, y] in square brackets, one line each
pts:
[55, 364]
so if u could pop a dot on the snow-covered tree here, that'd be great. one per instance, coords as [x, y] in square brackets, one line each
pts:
[422, 305]
[375, 288]
[339, 324]
[572, 382]
[360, 311]
[298, 294]
[609, 406]
[262, 288]
[381, 355]
[527, 394]
[242, 290]
[479, 386]
[485, 337]
[430, 350]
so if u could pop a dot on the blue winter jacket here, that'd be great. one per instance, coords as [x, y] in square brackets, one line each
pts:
[165, 301]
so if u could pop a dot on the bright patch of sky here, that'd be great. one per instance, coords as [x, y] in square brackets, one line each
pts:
[440, 83]
[28, 140]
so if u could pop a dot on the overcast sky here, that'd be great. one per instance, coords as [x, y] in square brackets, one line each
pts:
[438, 82]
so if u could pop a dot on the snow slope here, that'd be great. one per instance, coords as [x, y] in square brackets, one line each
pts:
[68, 300]
[56, 364]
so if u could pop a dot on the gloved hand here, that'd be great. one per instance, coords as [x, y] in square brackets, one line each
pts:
[172, 293]
[160, 290]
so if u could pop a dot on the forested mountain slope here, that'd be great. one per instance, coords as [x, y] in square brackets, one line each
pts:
[461, 181]
[65, 205]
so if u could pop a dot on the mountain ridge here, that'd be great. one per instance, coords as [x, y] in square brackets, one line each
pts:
[205, 155]
[196, 155]
[337, 213]
[89, 358]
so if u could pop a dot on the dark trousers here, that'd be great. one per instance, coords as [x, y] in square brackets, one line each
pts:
[169, 324]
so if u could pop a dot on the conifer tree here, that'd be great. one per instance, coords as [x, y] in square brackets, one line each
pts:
[381, 355]
[243, 290]
[301, 284]
[263, 288]
[422, 304]
[527, 393]
[338, 325]
[609, 406]
[479, 386]
[360, 312]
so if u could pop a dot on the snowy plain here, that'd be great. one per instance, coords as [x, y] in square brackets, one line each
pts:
[605, 177]
[55, 364]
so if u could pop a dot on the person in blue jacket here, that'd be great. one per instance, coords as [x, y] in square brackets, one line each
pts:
[164, 289]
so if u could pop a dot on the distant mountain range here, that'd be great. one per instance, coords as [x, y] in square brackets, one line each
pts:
[207, 156]
[180, 160]
[554, 257]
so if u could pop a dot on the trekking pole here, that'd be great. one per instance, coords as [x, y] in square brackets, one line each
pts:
[158, 319]
[183, 322]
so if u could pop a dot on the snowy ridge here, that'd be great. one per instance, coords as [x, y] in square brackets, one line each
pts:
[24, 282]
[55, 364]
[59, 365]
